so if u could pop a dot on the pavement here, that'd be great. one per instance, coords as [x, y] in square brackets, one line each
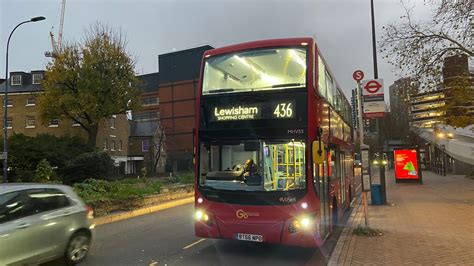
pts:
[426, 224]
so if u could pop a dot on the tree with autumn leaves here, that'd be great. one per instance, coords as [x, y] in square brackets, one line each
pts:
[90, 81]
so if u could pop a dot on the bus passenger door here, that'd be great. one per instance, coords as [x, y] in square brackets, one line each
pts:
[321, 185]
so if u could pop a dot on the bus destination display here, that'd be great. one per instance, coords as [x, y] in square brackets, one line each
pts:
[272, 110]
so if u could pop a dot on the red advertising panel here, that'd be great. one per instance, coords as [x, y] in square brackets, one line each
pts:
[406, 165]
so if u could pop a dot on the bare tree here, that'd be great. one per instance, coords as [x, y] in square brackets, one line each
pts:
[419, 48]
[158, 142]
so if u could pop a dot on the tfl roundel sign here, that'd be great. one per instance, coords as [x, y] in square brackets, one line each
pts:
[372, 87]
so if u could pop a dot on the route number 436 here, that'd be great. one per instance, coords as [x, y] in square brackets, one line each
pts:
[283, 110]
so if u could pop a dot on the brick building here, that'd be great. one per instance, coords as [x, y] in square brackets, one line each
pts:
[24, 118]
[143, 143]
[168, 109]
[178, 86]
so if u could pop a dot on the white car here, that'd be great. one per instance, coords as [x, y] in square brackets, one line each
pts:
[43, 222]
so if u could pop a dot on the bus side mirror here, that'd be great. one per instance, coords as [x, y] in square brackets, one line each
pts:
[318, 152]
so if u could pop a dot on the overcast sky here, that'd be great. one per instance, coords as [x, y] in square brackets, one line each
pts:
[341, 28]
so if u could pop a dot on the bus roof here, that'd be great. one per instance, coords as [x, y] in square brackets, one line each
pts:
[259, 44]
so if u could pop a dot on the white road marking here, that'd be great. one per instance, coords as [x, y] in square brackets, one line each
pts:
[195, 243]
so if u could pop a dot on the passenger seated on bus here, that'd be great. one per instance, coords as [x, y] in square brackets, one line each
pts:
[251, 177]
[250, 167]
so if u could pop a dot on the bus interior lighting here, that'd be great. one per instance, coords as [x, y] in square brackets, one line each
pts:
[297, 58]
[264, 76]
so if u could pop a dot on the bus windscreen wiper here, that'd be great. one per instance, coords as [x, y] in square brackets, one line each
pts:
[220, 90]
[287, 85]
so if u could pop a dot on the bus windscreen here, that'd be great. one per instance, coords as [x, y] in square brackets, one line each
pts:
[253, 165]
[255, 70]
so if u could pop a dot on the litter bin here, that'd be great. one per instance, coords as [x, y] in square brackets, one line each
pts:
[376, 193]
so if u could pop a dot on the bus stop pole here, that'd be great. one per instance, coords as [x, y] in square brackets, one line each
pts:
[361, 139]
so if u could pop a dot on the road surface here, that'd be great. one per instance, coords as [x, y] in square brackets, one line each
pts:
[167, 238]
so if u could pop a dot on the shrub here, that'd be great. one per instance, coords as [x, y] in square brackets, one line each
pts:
[44, 172]
[27, 152]
[95, 164]
[22, 175]
[143, 172]
[367, 231]
[185, 177]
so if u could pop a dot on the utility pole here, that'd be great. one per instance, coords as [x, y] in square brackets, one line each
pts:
[379, 126]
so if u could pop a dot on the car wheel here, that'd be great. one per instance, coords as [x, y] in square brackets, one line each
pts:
[78, 248]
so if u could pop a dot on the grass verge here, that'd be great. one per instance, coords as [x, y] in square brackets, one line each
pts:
[367, 231]
[104, 195]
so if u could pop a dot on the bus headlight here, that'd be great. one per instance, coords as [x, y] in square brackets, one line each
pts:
[305, 222]
[299, 224]
[201, 216]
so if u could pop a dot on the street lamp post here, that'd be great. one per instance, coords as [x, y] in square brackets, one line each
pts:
[5, 101]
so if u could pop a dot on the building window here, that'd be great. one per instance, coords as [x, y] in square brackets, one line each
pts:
[120, 145]
[9, 103]
[105, 144]
[37, 78]
[31, 101]
[148, 101]
[145, 116]
[9, 122]
[112, 145]
[16, 80]
[30, 122]
[54, 122]
[112, 122]
[145, 145]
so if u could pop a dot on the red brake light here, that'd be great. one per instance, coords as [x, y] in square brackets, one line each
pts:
[90, 212]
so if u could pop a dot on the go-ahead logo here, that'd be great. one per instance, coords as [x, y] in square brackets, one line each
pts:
[241, 214]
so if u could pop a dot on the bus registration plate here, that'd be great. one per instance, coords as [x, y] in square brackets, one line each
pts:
[249, 237]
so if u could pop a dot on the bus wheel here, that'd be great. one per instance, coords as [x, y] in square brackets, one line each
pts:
[334, 213]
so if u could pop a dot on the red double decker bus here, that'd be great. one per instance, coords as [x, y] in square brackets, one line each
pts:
[273, 144]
